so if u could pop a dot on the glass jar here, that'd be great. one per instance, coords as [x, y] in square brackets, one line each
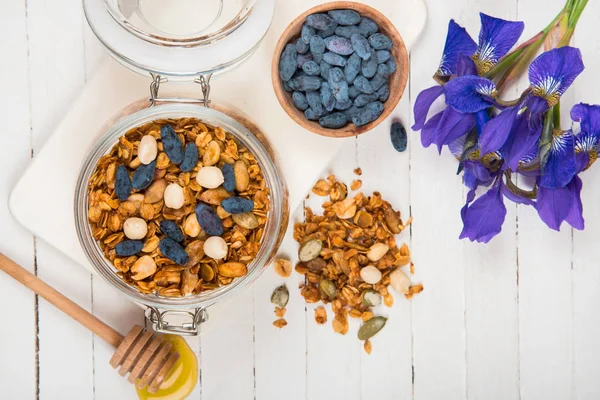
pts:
[192, 307]
[151, 38]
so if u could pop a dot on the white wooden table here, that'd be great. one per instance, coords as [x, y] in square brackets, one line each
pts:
[516, 319]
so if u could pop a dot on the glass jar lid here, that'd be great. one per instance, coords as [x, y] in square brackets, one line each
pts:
[179, 38]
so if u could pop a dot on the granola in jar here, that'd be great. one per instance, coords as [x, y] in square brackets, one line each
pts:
[178, 207]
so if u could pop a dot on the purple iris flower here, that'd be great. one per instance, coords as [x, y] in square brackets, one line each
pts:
[558, 204]
[516, 129]
[464, 60]
[483, 219]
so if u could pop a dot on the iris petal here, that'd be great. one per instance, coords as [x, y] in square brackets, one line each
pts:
[452, 126]
[465, 66]
[470, 94]
[458, 42]
[424, 101]
[575, 217]
[496, 38]
[554, 71]
[520, 141]
[560, 167]
[429, 129]
[496, 132]
[554, 205]
[588, 117]
[483, 219]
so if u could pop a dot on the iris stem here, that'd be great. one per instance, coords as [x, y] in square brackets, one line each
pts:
[546, 138]
[531, 194]
[556, 115]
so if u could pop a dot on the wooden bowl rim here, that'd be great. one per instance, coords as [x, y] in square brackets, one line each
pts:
[390, 104]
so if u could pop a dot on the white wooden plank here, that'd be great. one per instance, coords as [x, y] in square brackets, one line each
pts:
[387, 171]
[227, 349]
[545, 292]
[491, 318]
[333, 360]
[56, 75]
[586, 275]
[56, 60]
[62, 341]
[18, 333]
[280, 363]
[121, 313]
[436, 199]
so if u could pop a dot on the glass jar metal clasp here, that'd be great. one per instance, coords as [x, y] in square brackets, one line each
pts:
[180, 322]
[202, 80]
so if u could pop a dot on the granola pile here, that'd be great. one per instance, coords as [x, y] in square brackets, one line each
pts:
[349, 257]
[178, 207]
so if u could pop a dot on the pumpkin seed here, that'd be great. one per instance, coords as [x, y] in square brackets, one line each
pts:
[328, 288]
[207, 273]
[310, 250]
[280, 296]
[371, 328]
[246, 220]
[371, 298]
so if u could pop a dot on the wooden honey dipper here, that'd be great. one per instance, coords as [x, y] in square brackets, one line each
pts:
[143, 355]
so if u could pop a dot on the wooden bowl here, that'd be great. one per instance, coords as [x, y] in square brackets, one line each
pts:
[397, 81]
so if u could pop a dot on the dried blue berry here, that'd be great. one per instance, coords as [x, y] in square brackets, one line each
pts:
[302, 59]
[391, 63]
[369, 113]
[379, 41]
[352, 111]
[173, 251]
[320, 21]
[381, 77]
[143, 175]
[334, 121]
[122, 183]
[314, 101]
[307, 33]
[327, 98]
[229, 177]
[338, 85]
[363, 84]
[301, 47]
[311, 115]
[171, 229]
[129, 248]
[361, 46]
[325, 67]
[345, 17]
[382, 56]
[369, 67]
[287, 87]
[353, 92]
[306, 83]
[343, 105]
[287, 62]
[324, 33]
[172, 144]
[190, 158]
[368, 26]
[364, 99]
[334, 59]
[299, 100]
[339, 45]
[317, 48]
[384, 92]
[237, 205]
[348, 31]
[209, 220]
[352, 67]
[398, 137]
[311, 68]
